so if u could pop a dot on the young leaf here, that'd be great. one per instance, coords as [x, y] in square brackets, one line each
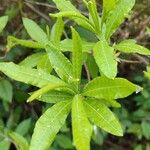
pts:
[44, 90]
[104, 57]
[12, 41]
[82, 128]
[61, 64]
[48, 125]
[6, 91]
[30, 76]
[106, 88]
[19, 140]
[55, 96]
[44, 64]
[131, 47]
[101, 116]
[3, 22]
[5, 144]
[117, 16]
[57, 30]
[35, 31]
[76, 56]
[67, 45]
[32, 60]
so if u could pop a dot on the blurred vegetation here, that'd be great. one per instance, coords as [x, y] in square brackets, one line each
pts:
[16, 115]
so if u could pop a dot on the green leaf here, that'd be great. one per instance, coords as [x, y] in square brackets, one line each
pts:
[76, 56]
[32, 60]
[82, 128]
[128, 46]
[5, 144]
[3, 22]
[57, 30]
[147, 74]
[146, 129]
[49, 125]
[67, 45]
[101, 116]
[23, 127]
[117, 16]
[104, 57]
[108, 5]
[106, 88]
[60, 63]
[12, 41]
[6, 91]
[44, 64]
[66, 6]
[35, 31]
[30, 76]
[44, 90]
[55, 96]
[19, 141]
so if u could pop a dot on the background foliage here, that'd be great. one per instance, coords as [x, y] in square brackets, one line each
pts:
[19, 117]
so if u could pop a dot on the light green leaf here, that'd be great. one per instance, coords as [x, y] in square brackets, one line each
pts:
[3, 22]
[19, 141]
[104, 57]
[44, 90]
[76, 56]
[57, 30]
[44, 64]
[23, 127]
[146, 129]
[12, 41]
[101, 116]
[6, 91]
[32, 60]
[5, 144]
[117, 16]
[82, 128]
[128, 46]
[66, 6]
[55, 96]
[35, 32]
[48, 125]
[147, 74]
[108, 5]
[148, 31]
[60, 63]
[30, 76]
[106, 88]
[67, 45]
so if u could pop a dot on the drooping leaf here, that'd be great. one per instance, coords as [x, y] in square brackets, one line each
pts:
[67, 45]
[48, 125]
[6, 91]
[32, 60]
[117, 16]
[82, 128]
[45, 89]
[101, 116]
[30, 76]
[12, 41]
[44, 64]
[55, 96]
[23, 127]
[35, 32]
[3, 22]
[104, 57]
[19, 140]
[61, 64]
[106, 88]
[128, 46]
[57, 30]
[76, 56]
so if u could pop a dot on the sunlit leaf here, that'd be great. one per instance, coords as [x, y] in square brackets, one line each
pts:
[48, 125]
[3, 22]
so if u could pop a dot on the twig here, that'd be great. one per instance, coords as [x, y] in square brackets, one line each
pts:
[87, 72]
[37, 11]
[142, 59]
[129, 61]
